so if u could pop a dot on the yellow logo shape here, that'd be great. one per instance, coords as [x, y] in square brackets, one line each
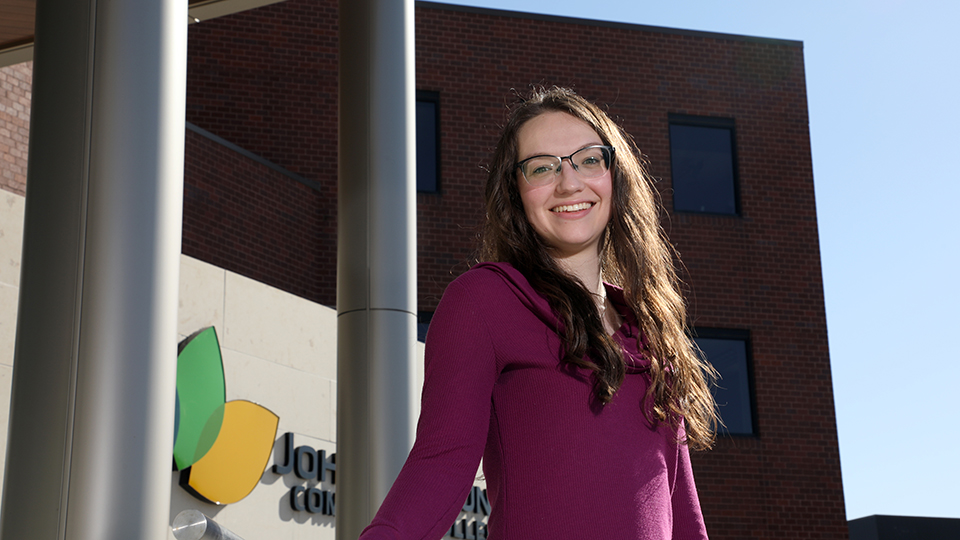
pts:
[221, 447]
[232, 467]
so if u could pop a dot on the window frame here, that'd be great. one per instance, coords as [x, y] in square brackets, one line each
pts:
[423, 324]
[715, 122]
[732, 334]
[428, 96]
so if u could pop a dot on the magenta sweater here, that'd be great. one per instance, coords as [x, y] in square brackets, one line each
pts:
[556, 466]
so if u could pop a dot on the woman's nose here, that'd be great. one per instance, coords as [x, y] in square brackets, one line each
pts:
[570, 180]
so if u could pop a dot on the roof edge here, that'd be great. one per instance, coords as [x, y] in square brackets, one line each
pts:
[606, 24]
[16, 52]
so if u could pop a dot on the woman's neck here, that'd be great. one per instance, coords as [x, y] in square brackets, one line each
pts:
[587, 270]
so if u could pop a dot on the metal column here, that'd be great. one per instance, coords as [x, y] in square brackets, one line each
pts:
[92, 412]
[376, 256]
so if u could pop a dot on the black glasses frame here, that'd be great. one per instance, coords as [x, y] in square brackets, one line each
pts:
[607, 159]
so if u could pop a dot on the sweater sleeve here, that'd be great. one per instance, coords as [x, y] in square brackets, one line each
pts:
[687, 517]
[460, 371]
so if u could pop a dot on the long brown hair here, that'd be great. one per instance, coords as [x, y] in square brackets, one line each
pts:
[634, 254]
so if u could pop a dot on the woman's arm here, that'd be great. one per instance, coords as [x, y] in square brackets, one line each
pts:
[687, 518]
[460, 371]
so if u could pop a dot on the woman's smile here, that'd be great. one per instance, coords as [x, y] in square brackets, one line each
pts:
[572, 207]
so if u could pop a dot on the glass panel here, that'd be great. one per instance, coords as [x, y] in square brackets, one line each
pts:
[423, 323]
[729, 357]
[427, 167]
[702, 163]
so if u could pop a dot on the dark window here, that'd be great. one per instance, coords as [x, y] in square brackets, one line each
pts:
[428, 142]
[729, 353]
[703, 165]
[423, 322]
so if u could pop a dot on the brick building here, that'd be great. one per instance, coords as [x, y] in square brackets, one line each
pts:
[260, 200]
[752, 274]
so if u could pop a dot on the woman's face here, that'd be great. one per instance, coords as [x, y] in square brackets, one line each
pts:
[571, 212]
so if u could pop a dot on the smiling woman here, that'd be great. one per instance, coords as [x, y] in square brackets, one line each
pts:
[568, 341]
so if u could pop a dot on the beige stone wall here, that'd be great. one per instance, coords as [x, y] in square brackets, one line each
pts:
[11, 237]
[279, 351]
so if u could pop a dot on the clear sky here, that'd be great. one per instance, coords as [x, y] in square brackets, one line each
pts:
[883, 87]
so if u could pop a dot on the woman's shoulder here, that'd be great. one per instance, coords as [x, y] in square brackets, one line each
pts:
[497, 284]
[494, 279]
[492, 274]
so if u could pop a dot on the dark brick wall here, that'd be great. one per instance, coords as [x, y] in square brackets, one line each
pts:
[250, 219]
[266, 80]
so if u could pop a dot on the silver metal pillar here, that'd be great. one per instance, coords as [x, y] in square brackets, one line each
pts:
[92, 411]
[376, 256]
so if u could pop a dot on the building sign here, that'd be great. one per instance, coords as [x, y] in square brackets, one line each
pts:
[308, 464]
[220, 447]
[471, 527]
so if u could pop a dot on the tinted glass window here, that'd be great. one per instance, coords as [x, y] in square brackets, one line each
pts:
[703, 168]
[423, 323]
[427, 146]
[732, 392]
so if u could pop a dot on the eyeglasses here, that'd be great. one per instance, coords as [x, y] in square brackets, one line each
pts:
[590, 162]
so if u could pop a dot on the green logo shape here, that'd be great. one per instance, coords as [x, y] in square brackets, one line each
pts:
[220, 447]
[201, 394]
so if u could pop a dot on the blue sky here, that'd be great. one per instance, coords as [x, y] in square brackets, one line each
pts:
[883, 87]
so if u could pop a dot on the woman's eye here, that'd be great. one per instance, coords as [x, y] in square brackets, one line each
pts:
[543, 169]
[591, 161]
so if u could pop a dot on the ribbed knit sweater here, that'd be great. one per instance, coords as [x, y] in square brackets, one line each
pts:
[557, 465]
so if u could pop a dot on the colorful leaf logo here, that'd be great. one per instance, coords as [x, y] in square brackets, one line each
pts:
[221, 447]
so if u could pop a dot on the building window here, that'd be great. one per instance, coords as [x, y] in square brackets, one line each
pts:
[729, 353]
[423, 323]
[428, 142]
[703, 165]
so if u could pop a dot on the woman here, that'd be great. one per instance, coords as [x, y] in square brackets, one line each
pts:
[582, 397]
